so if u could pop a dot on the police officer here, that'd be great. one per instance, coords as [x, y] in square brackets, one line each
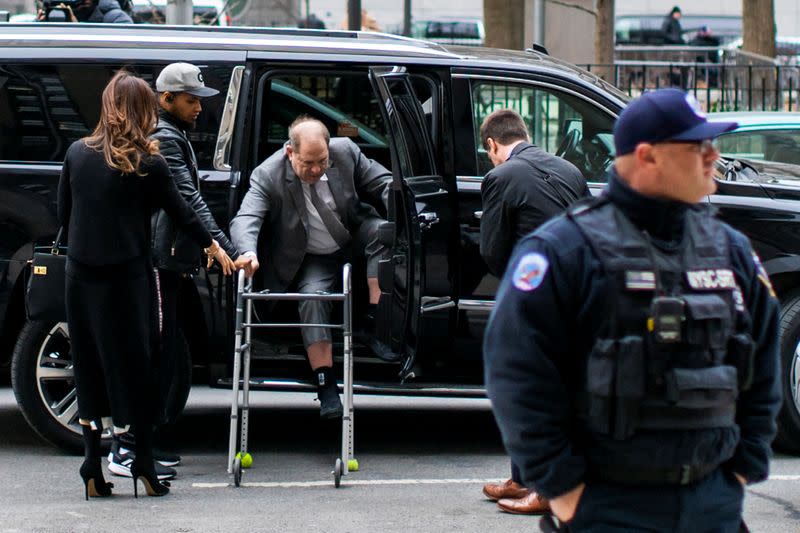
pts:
[632, 357]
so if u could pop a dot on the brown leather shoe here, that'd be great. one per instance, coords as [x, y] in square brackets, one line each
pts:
[530, 504]
[507, 489]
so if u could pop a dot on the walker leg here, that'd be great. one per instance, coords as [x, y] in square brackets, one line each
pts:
[237, 361]
[246, 386]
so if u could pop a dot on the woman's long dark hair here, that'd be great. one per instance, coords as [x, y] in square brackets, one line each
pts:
[127, 119]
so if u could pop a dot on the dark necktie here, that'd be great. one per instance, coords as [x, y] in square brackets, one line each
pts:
[335, 227]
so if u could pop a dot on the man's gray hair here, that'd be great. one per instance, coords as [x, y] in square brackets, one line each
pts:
[303, 126]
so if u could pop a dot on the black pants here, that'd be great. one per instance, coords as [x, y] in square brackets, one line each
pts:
[712, 505]
[166, 357]
[109, 313]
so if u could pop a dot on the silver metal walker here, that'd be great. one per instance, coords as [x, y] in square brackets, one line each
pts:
[238, 460]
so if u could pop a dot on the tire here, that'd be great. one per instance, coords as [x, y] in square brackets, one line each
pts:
[44, 385]
[788, 438]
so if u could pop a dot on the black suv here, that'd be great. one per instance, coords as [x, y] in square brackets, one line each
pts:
[411, 105]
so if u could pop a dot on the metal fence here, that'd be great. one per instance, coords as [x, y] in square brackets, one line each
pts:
[722, 80]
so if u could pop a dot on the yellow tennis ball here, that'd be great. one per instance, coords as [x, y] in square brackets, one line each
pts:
[247, 461]
[352, 465]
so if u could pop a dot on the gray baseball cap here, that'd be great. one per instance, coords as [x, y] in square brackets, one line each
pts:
[183, 78]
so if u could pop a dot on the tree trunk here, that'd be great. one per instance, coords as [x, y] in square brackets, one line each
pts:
[504, 23]
[604, 39]
[758, 26]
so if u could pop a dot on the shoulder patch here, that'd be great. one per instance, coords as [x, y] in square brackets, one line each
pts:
[530, 271]
[761, 273]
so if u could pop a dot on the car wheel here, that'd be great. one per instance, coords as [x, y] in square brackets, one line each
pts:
[788, 438]
[44, 385]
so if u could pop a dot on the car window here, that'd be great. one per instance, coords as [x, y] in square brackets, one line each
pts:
[45, 108]
[344, 102]
[558, 122]
[782, 146]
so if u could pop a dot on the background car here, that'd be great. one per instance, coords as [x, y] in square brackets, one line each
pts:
[646, 29]
[761, 136]
[462, 31]
[206, 12]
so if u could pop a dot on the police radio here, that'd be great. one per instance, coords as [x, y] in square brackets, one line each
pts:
[667, 313]
[666, 318]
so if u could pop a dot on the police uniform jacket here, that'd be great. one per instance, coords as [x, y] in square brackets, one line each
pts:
[538, 341]
[520, 195]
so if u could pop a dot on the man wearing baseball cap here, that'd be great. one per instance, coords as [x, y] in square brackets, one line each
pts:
[632, 356]
[180, 88]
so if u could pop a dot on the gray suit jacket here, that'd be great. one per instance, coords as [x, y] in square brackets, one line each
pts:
[275, 201]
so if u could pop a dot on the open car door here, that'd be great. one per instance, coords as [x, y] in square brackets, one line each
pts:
[417, 307]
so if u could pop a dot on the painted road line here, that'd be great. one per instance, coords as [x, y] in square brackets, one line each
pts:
[295, 484]
[373, 482]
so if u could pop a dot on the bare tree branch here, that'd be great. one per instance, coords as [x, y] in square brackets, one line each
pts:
[573, 6]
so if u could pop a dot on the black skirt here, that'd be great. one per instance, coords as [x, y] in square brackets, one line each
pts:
[112, 316]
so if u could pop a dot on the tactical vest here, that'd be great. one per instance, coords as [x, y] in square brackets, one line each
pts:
[670, 355]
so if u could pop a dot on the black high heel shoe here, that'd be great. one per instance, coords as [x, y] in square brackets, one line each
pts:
[94, 484]
[147, 473]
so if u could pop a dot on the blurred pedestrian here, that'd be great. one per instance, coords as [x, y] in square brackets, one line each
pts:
[671, 27]
[110, 184]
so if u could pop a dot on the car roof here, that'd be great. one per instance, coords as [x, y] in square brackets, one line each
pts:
[747, 119]
[238, 38]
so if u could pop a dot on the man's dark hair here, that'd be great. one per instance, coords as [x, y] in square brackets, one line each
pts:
[675, 9]
[505, 126]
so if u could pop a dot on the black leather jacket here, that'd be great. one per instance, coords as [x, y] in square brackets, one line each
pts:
[172, 249]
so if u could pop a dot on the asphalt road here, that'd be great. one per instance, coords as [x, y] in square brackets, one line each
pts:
[422, 464]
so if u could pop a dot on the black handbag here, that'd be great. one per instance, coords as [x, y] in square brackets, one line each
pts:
[45, 299]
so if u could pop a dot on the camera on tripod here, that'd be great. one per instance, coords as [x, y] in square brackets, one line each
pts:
[59, 10]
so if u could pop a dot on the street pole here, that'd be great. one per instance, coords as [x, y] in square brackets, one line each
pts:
[180, 12]
[354, 15]
[407, 18]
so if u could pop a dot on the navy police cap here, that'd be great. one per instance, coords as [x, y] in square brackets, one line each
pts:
[664, 115]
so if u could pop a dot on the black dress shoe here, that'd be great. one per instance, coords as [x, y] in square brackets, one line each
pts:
[380, 349]
[330, 404]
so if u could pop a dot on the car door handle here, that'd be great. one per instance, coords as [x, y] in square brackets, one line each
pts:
[435, 303]
[428, 219]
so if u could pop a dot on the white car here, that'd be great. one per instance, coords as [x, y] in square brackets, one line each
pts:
[762, 136]
[206, 12]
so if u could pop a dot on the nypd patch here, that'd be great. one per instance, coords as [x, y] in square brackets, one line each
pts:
[711, 279]
[530, 271]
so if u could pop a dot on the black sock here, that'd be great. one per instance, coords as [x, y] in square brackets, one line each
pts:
[324, 377]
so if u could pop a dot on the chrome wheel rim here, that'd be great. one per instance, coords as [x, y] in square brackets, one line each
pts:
[794, 377]
[55, 379]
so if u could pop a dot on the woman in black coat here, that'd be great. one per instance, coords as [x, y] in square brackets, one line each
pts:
[110, 185]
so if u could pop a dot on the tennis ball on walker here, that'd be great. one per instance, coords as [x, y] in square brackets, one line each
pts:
[352, 465]
[247, 460]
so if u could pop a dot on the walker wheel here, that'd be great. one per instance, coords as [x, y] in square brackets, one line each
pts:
[352, 465]
[338, 469]
[237, 471]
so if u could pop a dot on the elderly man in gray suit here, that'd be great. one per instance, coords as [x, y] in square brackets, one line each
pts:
[309, 193]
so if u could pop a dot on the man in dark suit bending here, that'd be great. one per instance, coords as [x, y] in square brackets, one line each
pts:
[526, 187]
[309, 193]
